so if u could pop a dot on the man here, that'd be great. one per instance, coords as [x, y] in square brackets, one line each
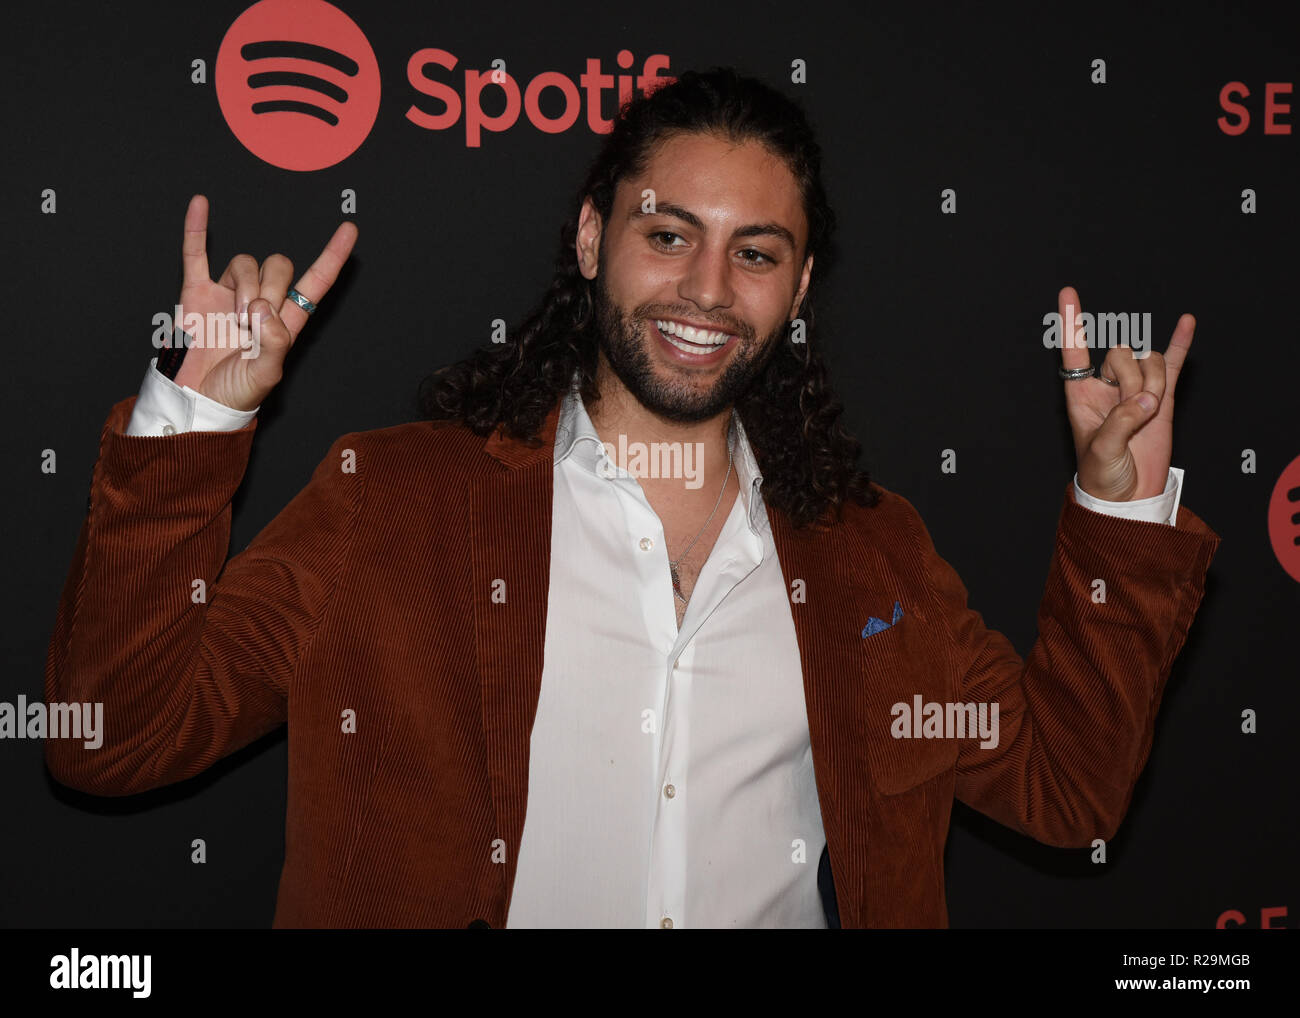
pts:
[530, 683]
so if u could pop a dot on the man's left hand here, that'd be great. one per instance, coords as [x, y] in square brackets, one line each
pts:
[1122, 447]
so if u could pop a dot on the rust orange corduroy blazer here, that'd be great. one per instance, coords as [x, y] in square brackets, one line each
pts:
[371, 592]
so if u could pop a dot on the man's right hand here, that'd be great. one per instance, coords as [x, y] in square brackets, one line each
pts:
[224, 374]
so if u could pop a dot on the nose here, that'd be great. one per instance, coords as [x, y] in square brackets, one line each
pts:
[707, 279]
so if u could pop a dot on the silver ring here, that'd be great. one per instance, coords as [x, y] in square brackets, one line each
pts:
[1074, 374]
[300, 300]
[1108, 381]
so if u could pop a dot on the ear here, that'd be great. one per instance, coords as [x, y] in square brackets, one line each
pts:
[587, 244]
[804, 280]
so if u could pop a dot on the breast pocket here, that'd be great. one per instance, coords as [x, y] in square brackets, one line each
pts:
[906, 669]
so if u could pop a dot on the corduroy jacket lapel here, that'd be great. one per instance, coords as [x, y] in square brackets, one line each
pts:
[510, 549]
[803, 554]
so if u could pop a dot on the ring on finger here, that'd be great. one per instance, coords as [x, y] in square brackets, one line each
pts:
[303, 302]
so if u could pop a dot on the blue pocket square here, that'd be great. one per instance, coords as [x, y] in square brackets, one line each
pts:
[875, 625]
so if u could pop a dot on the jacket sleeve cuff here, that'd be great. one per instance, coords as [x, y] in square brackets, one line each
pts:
[1162, 508]
[165, 408]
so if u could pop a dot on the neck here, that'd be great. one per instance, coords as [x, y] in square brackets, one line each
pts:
[639, 439]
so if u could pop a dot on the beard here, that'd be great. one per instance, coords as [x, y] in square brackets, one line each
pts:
[622, 339]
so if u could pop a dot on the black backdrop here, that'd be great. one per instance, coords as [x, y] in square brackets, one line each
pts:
[1128, 190]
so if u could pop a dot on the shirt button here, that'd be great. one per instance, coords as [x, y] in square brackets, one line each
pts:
[168, 429]
[646, 544]
[666, 923]
[669, 791]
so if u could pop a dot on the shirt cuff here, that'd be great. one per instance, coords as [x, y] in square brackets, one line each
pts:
[1162, 508]
[165, 408]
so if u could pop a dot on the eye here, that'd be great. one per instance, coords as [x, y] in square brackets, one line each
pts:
[655, 238]
[761, 258]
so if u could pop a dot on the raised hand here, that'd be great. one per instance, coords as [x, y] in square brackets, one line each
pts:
[227, 375]
[1122, 447]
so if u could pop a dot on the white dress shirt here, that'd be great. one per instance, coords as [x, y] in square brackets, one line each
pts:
[670, 772]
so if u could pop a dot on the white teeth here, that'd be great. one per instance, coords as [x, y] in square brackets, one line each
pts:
[695, 337]
[681, 344]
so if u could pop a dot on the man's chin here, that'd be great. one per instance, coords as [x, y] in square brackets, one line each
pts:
[678, 397]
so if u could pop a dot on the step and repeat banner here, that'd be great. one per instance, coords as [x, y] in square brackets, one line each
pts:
[977, 163]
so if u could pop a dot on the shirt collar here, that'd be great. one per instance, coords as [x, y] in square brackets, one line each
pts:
[576, 436]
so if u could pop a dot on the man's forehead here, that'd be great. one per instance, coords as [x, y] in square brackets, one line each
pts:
[708, 178]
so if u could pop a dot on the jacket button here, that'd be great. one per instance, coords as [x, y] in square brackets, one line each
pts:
[479, 924]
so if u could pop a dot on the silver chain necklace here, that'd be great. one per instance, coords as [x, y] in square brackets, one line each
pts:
[672, 566]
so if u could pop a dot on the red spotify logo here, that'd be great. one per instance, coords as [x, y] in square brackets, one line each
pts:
[298, 83]
[1284, 519]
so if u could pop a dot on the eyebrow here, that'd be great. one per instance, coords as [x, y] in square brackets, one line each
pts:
[687, 216]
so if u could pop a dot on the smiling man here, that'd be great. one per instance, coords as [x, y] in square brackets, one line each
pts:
[708, 284]
[530, 683]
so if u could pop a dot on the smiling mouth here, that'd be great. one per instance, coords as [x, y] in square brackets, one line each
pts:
[700, 342]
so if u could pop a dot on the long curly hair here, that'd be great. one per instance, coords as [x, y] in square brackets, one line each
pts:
[790, 412]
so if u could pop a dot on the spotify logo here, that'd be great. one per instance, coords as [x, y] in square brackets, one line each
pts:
[1284, 519]
[297, 83]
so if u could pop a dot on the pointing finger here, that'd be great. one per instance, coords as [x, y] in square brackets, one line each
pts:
[315, 283]
[194, 246]
[1176, 353]
[1074, 347]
